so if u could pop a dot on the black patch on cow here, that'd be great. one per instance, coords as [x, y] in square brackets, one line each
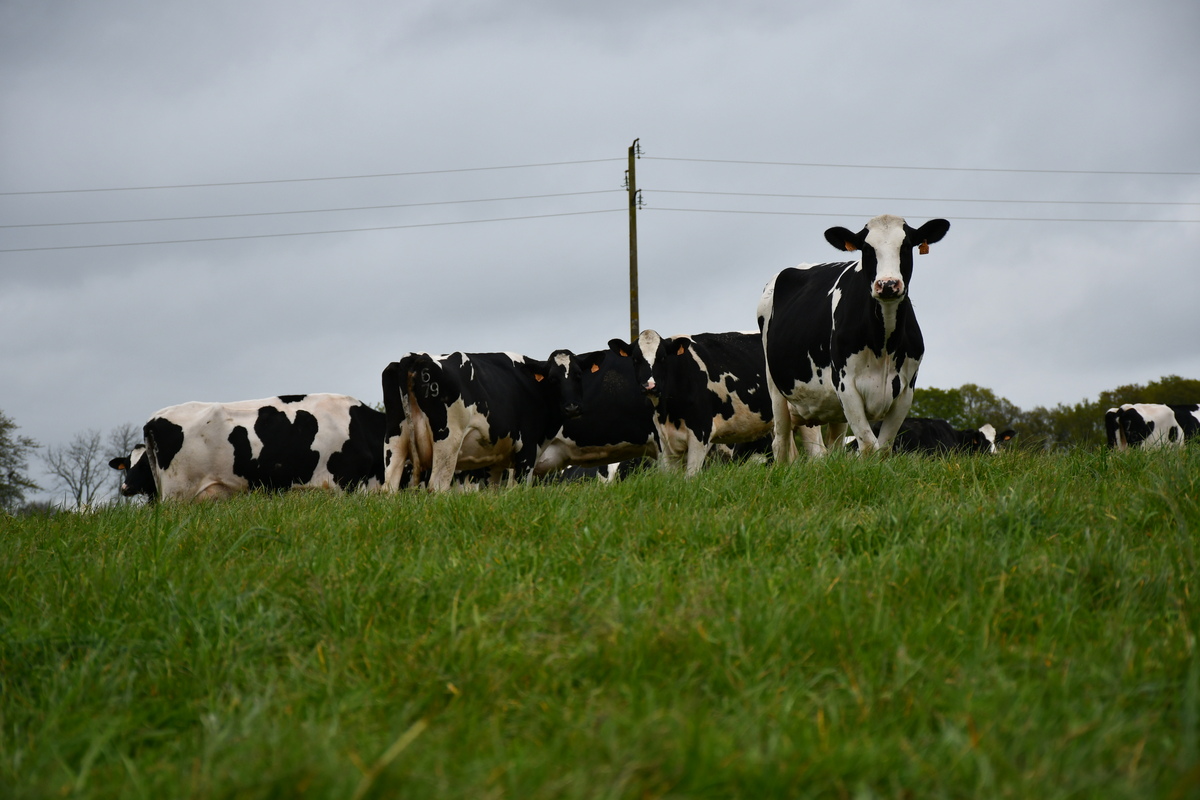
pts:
[895, 386]
[1185, 415]
[1173, 435]
[935, 436]
[291, 398]
[164, 440]
[361, 457]
[287, 456]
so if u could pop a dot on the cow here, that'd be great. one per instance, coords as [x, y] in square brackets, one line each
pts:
[707, 389]
[467, 411]
[215, 450]
[616, 422]
[930, 435]
[1150, 425]
[841, 340]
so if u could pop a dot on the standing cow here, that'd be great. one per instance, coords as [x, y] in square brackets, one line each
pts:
[841, 340]
[214, 450]
[1151, 425]
[469, 411]
[707, 389]
[616, 422]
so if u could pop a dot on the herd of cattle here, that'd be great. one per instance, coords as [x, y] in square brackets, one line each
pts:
[837, 345]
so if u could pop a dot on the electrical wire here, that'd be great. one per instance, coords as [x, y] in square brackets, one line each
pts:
[955, 217]
[926, 199]
[309, 180]
[306, 211]
[306, 233]
[937, 169]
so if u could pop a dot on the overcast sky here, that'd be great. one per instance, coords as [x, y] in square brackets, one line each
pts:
[1005, 118]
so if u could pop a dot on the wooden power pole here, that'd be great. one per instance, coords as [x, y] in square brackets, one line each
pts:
[631, 184]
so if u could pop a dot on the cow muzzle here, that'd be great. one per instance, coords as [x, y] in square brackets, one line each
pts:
[888, 289]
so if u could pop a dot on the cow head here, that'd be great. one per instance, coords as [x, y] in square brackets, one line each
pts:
[887, 243]
[644, 351]
[563, 374]
[137, 478]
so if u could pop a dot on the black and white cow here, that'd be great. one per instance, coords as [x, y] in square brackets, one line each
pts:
[707, 389]
[841, 340]
[931, 435]
[1151, 425]
[616, 422]
[467, 411]
[215, 450]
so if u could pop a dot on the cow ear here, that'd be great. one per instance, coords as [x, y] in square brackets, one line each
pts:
[843, 239]
[619, 346]
[1006, 436]
[930, 233]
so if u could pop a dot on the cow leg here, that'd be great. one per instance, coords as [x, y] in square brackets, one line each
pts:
[856, 416]
[445, 460]
[891, 423]
[697, 451]
[783, 445]
[810, 438]
[835, 436]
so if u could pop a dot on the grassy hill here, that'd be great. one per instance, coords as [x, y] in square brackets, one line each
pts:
[1017, 626]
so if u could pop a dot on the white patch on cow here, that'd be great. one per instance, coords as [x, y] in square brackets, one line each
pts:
[885, 235]
[989, 433]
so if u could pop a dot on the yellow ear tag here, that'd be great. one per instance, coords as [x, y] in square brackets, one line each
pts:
[680, 351]
[596, 367]
[923, 249]
[623, 353]
[538, 378]
[850, 248]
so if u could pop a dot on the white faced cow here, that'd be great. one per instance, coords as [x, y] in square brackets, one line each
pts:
[470, 411]
[214, 450]
[1151, 425]
[841, 340]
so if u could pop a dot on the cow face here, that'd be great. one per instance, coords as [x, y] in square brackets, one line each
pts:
[886, 244]
[564, 375]
[137, 478]
[644, 352]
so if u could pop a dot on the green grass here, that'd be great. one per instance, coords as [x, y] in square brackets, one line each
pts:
[1019, 626]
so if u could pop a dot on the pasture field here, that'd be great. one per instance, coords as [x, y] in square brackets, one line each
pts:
[1015, 626]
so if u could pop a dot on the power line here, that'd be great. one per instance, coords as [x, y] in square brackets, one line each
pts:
[926, 199]
[306, 211]
[307, 233]
[310, 180]
[955, 217]
[937, 169]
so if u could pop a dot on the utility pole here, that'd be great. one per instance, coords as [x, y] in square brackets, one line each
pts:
[634, 200]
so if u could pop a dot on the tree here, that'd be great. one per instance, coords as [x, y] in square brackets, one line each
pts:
[968, 406]
[80, 468]
[14, 461]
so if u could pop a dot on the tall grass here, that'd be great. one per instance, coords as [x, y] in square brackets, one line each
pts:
[1018, 626]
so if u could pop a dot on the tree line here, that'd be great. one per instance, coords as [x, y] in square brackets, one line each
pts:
[80, 472]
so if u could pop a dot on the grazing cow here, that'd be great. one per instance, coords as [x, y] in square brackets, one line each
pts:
[1150, 425]
[616, 422]
[928, 435]
[707, 389]
[841, 340]
[468, 411]
[214, 450]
